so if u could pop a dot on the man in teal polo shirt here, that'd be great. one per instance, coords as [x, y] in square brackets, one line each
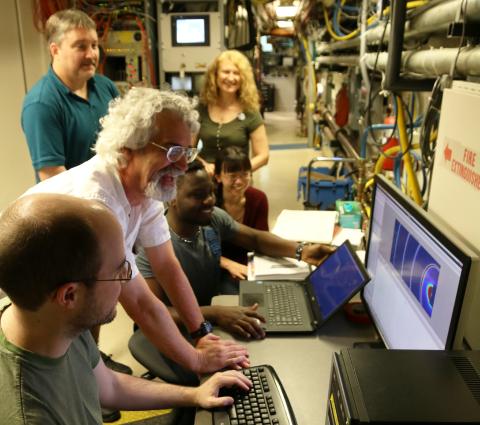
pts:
[61, 113]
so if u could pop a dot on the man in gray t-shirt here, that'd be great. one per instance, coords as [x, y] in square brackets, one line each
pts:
[51, 370]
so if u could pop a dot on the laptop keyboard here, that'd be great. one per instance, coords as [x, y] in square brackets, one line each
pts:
[283, 307]
[265, 404]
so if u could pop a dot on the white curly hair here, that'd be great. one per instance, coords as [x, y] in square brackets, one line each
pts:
[130, 121]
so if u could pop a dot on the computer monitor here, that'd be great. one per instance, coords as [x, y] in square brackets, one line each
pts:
[265, 45]
[182, 83]
[190, 30]
[419, 273]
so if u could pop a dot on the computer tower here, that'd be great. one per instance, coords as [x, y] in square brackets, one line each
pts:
[376, 386]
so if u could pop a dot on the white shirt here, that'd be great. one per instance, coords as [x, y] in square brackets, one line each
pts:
[95, 180]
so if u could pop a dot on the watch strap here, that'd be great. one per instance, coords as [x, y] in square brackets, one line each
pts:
[204, 329]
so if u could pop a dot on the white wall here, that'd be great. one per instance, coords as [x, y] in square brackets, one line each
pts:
[22, 64]
[284, 92]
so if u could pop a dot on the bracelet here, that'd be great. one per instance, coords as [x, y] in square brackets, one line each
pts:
[299, 250]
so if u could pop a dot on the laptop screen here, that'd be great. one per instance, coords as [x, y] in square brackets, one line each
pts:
[338, 279]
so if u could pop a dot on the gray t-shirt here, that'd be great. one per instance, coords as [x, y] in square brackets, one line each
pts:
[38, 390]
[200, 257]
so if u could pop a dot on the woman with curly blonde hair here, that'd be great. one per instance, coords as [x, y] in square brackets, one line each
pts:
[229, 111]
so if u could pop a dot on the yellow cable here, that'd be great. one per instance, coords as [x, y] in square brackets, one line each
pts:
[413, 185]
[371, 20]
[388, 153]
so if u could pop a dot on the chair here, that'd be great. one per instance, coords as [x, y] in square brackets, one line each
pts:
[157, 364]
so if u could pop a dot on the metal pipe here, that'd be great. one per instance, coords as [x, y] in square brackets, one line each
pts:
[350, 152]
[432, 62]
[432, 20]
[363, 46]
[393, 80]
[337, 60]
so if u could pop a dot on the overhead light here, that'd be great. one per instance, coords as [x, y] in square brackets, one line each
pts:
[284, 24]
[286, 11]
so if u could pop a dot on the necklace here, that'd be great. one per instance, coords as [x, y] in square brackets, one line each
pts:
[219, 145]
[188, 241]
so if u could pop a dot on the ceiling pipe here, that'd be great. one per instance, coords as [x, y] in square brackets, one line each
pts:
[431, 20]
[432, 63]
[393, 81]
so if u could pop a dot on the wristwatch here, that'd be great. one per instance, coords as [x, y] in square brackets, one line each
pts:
[299, 250]
[204, 329]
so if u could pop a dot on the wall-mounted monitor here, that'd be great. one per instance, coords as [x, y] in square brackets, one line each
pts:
[419, 273]
[266, 46]
[182, 83]
[190, 30]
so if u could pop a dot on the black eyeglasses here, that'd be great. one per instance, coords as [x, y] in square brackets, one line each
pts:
[123, 276]
[175, 153]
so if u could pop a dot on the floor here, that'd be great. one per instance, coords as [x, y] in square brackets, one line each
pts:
[278, 180]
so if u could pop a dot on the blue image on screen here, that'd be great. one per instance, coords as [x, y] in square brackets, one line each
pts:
[418, 269]
[336, 280]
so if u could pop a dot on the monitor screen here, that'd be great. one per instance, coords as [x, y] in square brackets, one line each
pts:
[190, 30]
[337, 279]
[182, 83]
[265, 45]
[418, 274]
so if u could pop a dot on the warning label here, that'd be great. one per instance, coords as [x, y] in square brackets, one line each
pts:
[462, 162]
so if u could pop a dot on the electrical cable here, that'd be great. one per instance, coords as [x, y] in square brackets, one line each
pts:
[463, 14]
[372, 19]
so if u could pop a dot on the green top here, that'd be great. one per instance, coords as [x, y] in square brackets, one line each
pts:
[39, 390]
[217, 136]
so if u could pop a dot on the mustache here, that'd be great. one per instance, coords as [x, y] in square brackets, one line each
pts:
[89, 62]
[170, 171]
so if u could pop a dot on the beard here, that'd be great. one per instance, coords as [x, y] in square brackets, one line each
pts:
[89, 317]
[163, 191]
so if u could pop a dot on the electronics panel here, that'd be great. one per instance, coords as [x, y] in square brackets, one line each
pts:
[189, 41]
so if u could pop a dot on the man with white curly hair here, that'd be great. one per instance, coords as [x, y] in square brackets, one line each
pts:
[145, 142]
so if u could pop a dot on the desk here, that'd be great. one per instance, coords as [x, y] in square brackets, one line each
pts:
[303, 362]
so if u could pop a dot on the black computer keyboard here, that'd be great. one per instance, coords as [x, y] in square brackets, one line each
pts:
[266, 403]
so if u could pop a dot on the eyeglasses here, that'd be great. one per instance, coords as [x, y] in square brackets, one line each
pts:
[175, 153]
[123, 276]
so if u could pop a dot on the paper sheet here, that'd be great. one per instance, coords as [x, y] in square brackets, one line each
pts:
[308, 226]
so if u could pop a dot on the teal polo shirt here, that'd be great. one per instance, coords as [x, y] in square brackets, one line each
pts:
[61, 127]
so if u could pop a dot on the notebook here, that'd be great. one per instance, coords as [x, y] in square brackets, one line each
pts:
[303, 306]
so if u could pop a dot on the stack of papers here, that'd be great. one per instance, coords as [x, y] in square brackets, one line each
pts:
[268, 268]
[307, 226]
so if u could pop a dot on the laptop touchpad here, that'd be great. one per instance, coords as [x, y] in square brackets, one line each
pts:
[250, 299]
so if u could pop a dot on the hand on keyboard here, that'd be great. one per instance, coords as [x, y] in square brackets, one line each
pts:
[266, 402]
[209, 394]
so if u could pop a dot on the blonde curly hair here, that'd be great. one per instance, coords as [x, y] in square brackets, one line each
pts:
[248, 93]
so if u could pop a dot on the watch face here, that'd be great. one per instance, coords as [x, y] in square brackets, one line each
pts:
[205, 328]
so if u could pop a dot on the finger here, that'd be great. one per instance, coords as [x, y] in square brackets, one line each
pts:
[212, 336]
[237, 329]
[223, 401]
[238, 362]
[255, 328]
[255, 315]
[232, 378]
[233, 345]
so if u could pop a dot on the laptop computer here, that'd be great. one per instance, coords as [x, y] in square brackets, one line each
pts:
[303, 306]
